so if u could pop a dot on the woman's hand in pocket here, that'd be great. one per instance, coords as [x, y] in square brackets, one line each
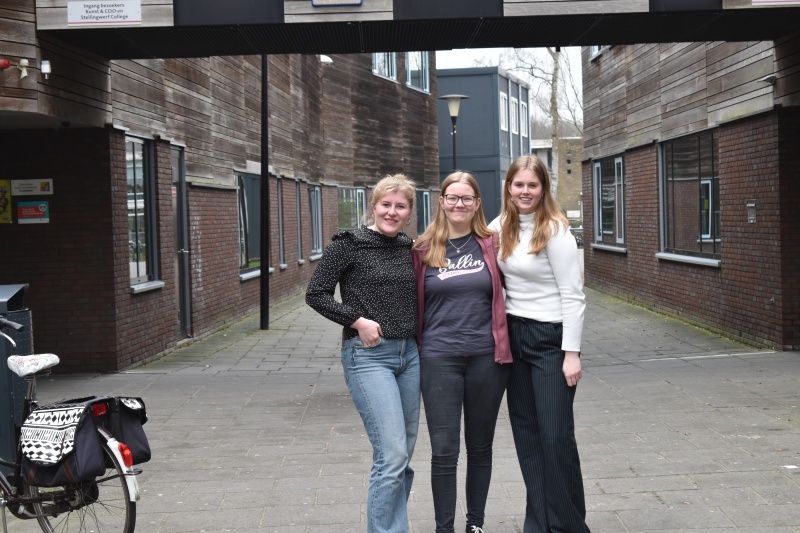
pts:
[369, 331]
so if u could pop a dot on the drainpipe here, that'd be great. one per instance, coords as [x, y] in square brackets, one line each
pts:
[265, 229]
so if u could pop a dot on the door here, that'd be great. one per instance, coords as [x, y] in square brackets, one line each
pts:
[183, 304]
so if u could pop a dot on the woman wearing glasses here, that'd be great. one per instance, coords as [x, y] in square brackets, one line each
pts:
[464, 349]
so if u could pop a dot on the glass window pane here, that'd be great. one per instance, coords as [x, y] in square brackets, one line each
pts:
[250, 221]
[691, 194]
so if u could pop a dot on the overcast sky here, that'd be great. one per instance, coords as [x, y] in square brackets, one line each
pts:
[465, 58]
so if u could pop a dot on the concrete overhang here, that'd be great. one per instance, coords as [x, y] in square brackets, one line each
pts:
[201, 28]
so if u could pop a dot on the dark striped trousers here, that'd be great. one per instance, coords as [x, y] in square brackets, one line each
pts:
[540, 410]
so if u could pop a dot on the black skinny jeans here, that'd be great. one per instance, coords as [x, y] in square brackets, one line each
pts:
[477, 383]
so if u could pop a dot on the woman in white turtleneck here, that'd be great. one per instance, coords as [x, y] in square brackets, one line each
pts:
[545, 305]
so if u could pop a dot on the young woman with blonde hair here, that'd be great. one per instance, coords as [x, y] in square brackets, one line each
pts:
[545, 305]
[463, 342]
[378, 310]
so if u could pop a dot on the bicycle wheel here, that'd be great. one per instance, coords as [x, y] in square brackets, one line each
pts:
[99, 506]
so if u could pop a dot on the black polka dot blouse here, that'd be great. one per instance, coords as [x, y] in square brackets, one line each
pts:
[375, 280]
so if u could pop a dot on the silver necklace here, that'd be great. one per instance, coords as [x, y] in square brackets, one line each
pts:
[523, 230]
[458, 248]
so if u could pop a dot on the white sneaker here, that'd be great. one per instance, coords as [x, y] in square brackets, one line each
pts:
[475, 529]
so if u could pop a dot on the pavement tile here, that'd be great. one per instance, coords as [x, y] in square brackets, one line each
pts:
[680, 430]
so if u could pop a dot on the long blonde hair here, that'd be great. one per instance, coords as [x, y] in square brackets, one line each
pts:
[435, 236]
[546, 214]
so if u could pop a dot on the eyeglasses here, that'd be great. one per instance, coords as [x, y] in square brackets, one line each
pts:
[453, 199]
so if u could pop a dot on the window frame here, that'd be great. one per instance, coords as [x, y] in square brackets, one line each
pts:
[503, 111]
[523, 122]
[359, 199]
[514, 115]
[425, 69]
[248, 207]
[315, 205]
[297, 195]
[423, 210]
[281, 243]
[617, 187]
[148, 198]
[709, 250]
[384, 65]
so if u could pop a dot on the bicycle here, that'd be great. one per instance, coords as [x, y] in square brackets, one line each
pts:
[103, 504]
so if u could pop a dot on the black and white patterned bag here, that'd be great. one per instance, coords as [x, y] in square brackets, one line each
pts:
[60, 446]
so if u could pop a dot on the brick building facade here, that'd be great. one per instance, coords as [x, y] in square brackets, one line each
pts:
[196, 123]
[700, 221]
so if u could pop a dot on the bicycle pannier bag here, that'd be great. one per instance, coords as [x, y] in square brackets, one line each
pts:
[128, 415]
[60, 446]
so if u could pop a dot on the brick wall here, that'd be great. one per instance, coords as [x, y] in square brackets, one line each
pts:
[753, 295]
[146, 322]
[78, 265]
[68, 262]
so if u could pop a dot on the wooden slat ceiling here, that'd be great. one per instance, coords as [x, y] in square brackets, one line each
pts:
[440, 34]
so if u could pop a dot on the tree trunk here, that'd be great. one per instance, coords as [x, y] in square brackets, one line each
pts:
[555, 53]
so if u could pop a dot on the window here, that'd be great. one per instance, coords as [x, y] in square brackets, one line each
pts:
[141, 188]
[690, 195]
[514, 115]
[249, 196]
[423, 210]
[385, 64]
[609, 196]
[352, 206]
[315, 203]
[281, 248]
[417, 71]
[523, 119]
[503, 111]
[595, 51]
[297, 195]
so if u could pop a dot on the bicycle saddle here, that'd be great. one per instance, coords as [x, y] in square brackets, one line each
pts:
[25, 365]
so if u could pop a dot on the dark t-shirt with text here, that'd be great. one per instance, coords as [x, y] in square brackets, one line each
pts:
[457, 320]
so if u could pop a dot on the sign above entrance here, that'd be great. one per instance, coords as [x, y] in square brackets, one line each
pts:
[104, 13]
[776, 3]
[335, 2]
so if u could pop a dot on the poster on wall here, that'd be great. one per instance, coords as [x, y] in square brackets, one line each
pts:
[33, 212]
[31, 187]
[5, 202]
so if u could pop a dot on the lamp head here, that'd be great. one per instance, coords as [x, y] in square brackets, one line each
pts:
[453, 105]
[46, 68]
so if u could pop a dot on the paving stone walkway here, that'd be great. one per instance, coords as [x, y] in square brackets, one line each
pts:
[679, 430]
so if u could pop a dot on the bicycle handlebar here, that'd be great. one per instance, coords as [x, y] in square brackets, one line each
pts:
[9, 324]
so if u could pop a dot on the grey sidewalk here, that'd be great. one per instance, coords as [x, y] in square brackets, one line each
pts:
[678, 430]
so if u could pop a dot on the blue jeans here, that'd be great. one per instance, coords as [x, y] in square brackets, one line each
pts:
[477, 384]
[384, 384]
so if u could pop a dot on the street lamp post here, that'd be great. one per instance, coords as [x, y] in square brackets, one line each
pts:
[453, 105]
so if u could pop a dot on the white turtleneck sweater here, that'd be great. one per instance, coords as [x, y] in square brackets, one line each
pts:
[546, 287]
